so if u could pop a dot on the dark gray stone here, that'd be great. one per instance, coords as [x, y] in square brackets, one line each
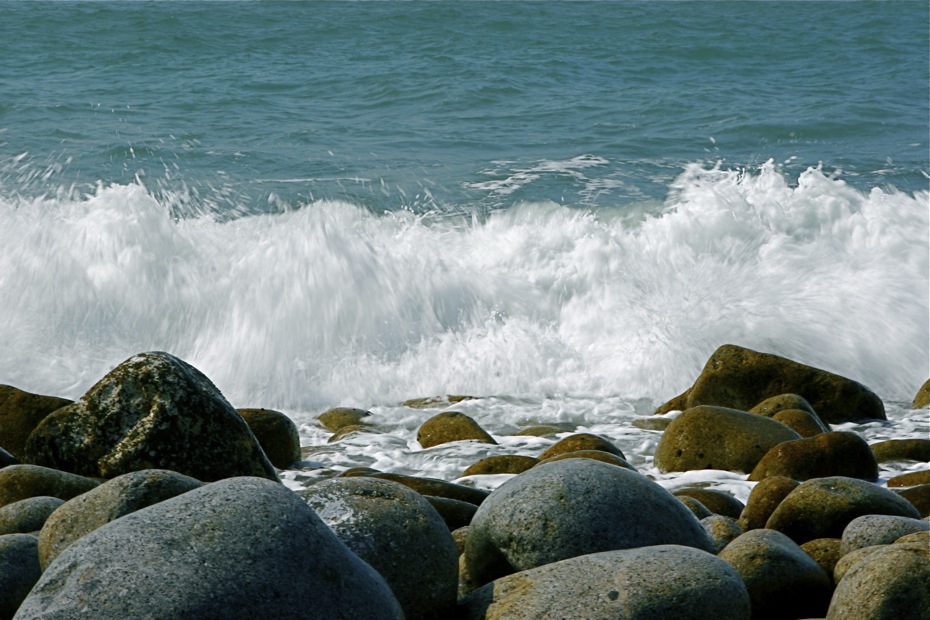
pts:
[19, 571]
[239, 548]
[27, 515]
[870, 530]
[891, 584]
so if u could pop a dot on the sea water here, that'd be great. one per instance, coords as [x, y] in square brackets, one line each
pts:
[560, 209]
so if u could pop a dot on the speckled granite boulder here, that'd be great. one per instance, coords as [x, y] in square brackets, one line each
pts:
[848, 560]
[276, 434]
[19, 571]
[19, 482]
[763, 500]
[826, 454]
[152, 411]
[569, 508]
[238, 548]
[722, 530]
[111, 500]
[581, 441]
[870, 530]
[890, 584]
[823, 507]
[902, 450]
[664, 581]
[451, 426]
[20, 413]
[782, 580]
[399, 534]
[27, 515]
[718, 438]
[825, 551]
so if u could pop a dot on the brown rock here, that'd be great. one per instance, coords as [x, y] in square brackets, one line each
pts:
[891, 584]
[19, 482]
[581, 441]
[902, 450]
[718, 502]
[435, 401]
[546, 430]
[597, 455]
[825, 551]
[919, 498]
[910, 479]
[20, 413]
[772, 405]
[826, 454]
[805, 423]
[501, 464]
[763, 500]
[347, 431]
[698, 509]
[339, 417]
[922, 398]
[438, 488]
[678, 403]
[276, 434]
[451, 426]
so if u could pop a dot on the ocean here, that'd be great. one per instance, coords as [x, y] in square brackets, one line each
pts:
[561, 208]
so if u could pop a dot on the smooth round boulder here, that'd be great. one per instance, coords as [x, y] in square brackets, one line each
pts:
[19, 571]
[581, 441]
[718, 502]
[891, 584]
[545, 430]
[870, 530]
[27, 515]
[722, 530]
[111, 500]
[718, 438]
[922, 397]
[823, 507]
[919, 497]
[782, 402]
[826, 454]
[500, 464]
[451, 426]
[763, 500]
[20, 413]
[825, 551]
[436, 487]
[663, 581]
[240, 548]
[597, 455]
[276, 434]
[569, 508]
[399, 534]
[910, 479]
[456, 514]
[338, 417]
[902, 450]
[698, 509]
[782, 580]
[848, 560]
[804, 423]
[7, 459]
[153, 411]
[19, 482]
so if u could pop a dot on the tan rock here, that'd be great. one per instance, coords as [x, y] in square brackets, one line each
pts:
[451, 426]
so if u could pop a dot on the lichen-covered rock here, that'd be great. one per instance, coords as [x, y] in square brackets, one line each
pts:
[718, 438]
[698, 509]
[804, 423]
[19, 571]
[436, 487]
[569, 508]
[869, 530]
[848, 560]
[782, 580]
[111, 500]
[891, 584]
[19, 482]
[338, 417]
[823, 507]
[718, 502]
[922, 398]
[772, 405]
[825, 551]
[546, 430]
[501, 464]
[664, 581]
[276, 434]
[910, 479]
[20, 413]
[919, 497]
[902, 450]
[763, 500]
[238, 548]
[451, 426]
[722, 530]
[152, 411]
[740, 378]
[398, 533]
[597, 455]
[826, 454]
[581, 441]
[27, 515]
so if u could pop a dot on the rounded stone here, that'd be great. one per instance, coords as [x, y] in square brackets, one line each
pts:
[20, 413]
[902, 450]
[891, 584]
[276, 434]
[436, 487]
[910, 479]
[718, 502]
[545, 430]
[870, 530]
[826, 454]
[698, 509]
[597, 455]
[922, 398]
[337, 418]
[19, 482]
[574, 507]
[804, 423]
[763, 500]
[501, 464]
[451, 426]
[848, 560]
[19, 571]
[824, 551]
[27, 515]
[456, 513]
[581, 441]
[919, 497]
[782, 402]
[722, 530]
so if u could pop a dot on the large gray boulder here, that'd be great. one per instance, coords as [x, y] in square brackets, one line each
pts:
[153, 411]
[869, 530]
[649, 583]
[573, 507]
[19, 571]
[238, 548]
[397, 532]
[892, 583]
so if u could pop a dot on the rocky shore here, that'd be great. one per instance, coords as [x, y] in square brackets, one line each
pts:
[153, 497]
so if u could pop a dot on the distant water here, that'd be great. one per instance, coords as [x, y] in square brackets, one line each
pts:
[563, 207]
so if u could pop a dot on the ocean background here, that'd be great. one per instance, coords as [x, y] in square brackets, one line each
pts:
[561, 208]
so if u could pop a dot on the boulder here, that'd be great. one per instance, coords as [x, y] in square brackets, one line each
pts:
[19, 482]
[922, 398]
[20, 413]
[436, 487]
[436, 401]
[891, 584]
[501, 464]
[722, 530]
[921, 537]
[718, 502]
[19, 571]
[451, 426]
[718, 438]
[27, 515]
[111, 500]
[570, 508]
[664, 581]
[276, 434]
[581, 441]
[698, 509]
[804, 423]
[651, 424]
[826, 454]
[398, 533]
[824, 551]
[337, 418]
[153, 411]
[911, 479]
[350, 431]
[772, 405]
[919, 498]
[823, 507]
[740, 378]
[852, 558]
[546, 430]
[763, 500]
[902, 450]
[782, 580]
[238, 548]
[869, 530]
[597, 455]
[456, 513]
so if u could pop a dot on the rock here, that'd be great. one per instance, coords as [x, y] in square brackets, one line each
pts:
[437, 488]
[339, 417]
[902, 450]
[569, 508]
[782, 580]
[18, 482]
[451, 426]
[827, 454]
[802, 422]
[918, 497]
[27, 515]
[456, 514]
[111, 500]
[399, 534]
[237, 548]
[763, 500]
[652, 424]
[891, 584]
[276, 434]
[869, 530]
[921, 537]
[722, 530]
[718, 502]
[852, 558]
[581, 441]
[911, 479]
[678, 403]
[501, 464]
[436, 401]
[460, 535]
[547, 430]
[19, 571]
[597, 455]
[718, 438]
[153, 411]
[922, 398]
[823, 507]
[7, 459]
[665, 581]
[698, 509]
[351, 429]
[782, 402]
[740, 378]
[824, 551]
[20, 413]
